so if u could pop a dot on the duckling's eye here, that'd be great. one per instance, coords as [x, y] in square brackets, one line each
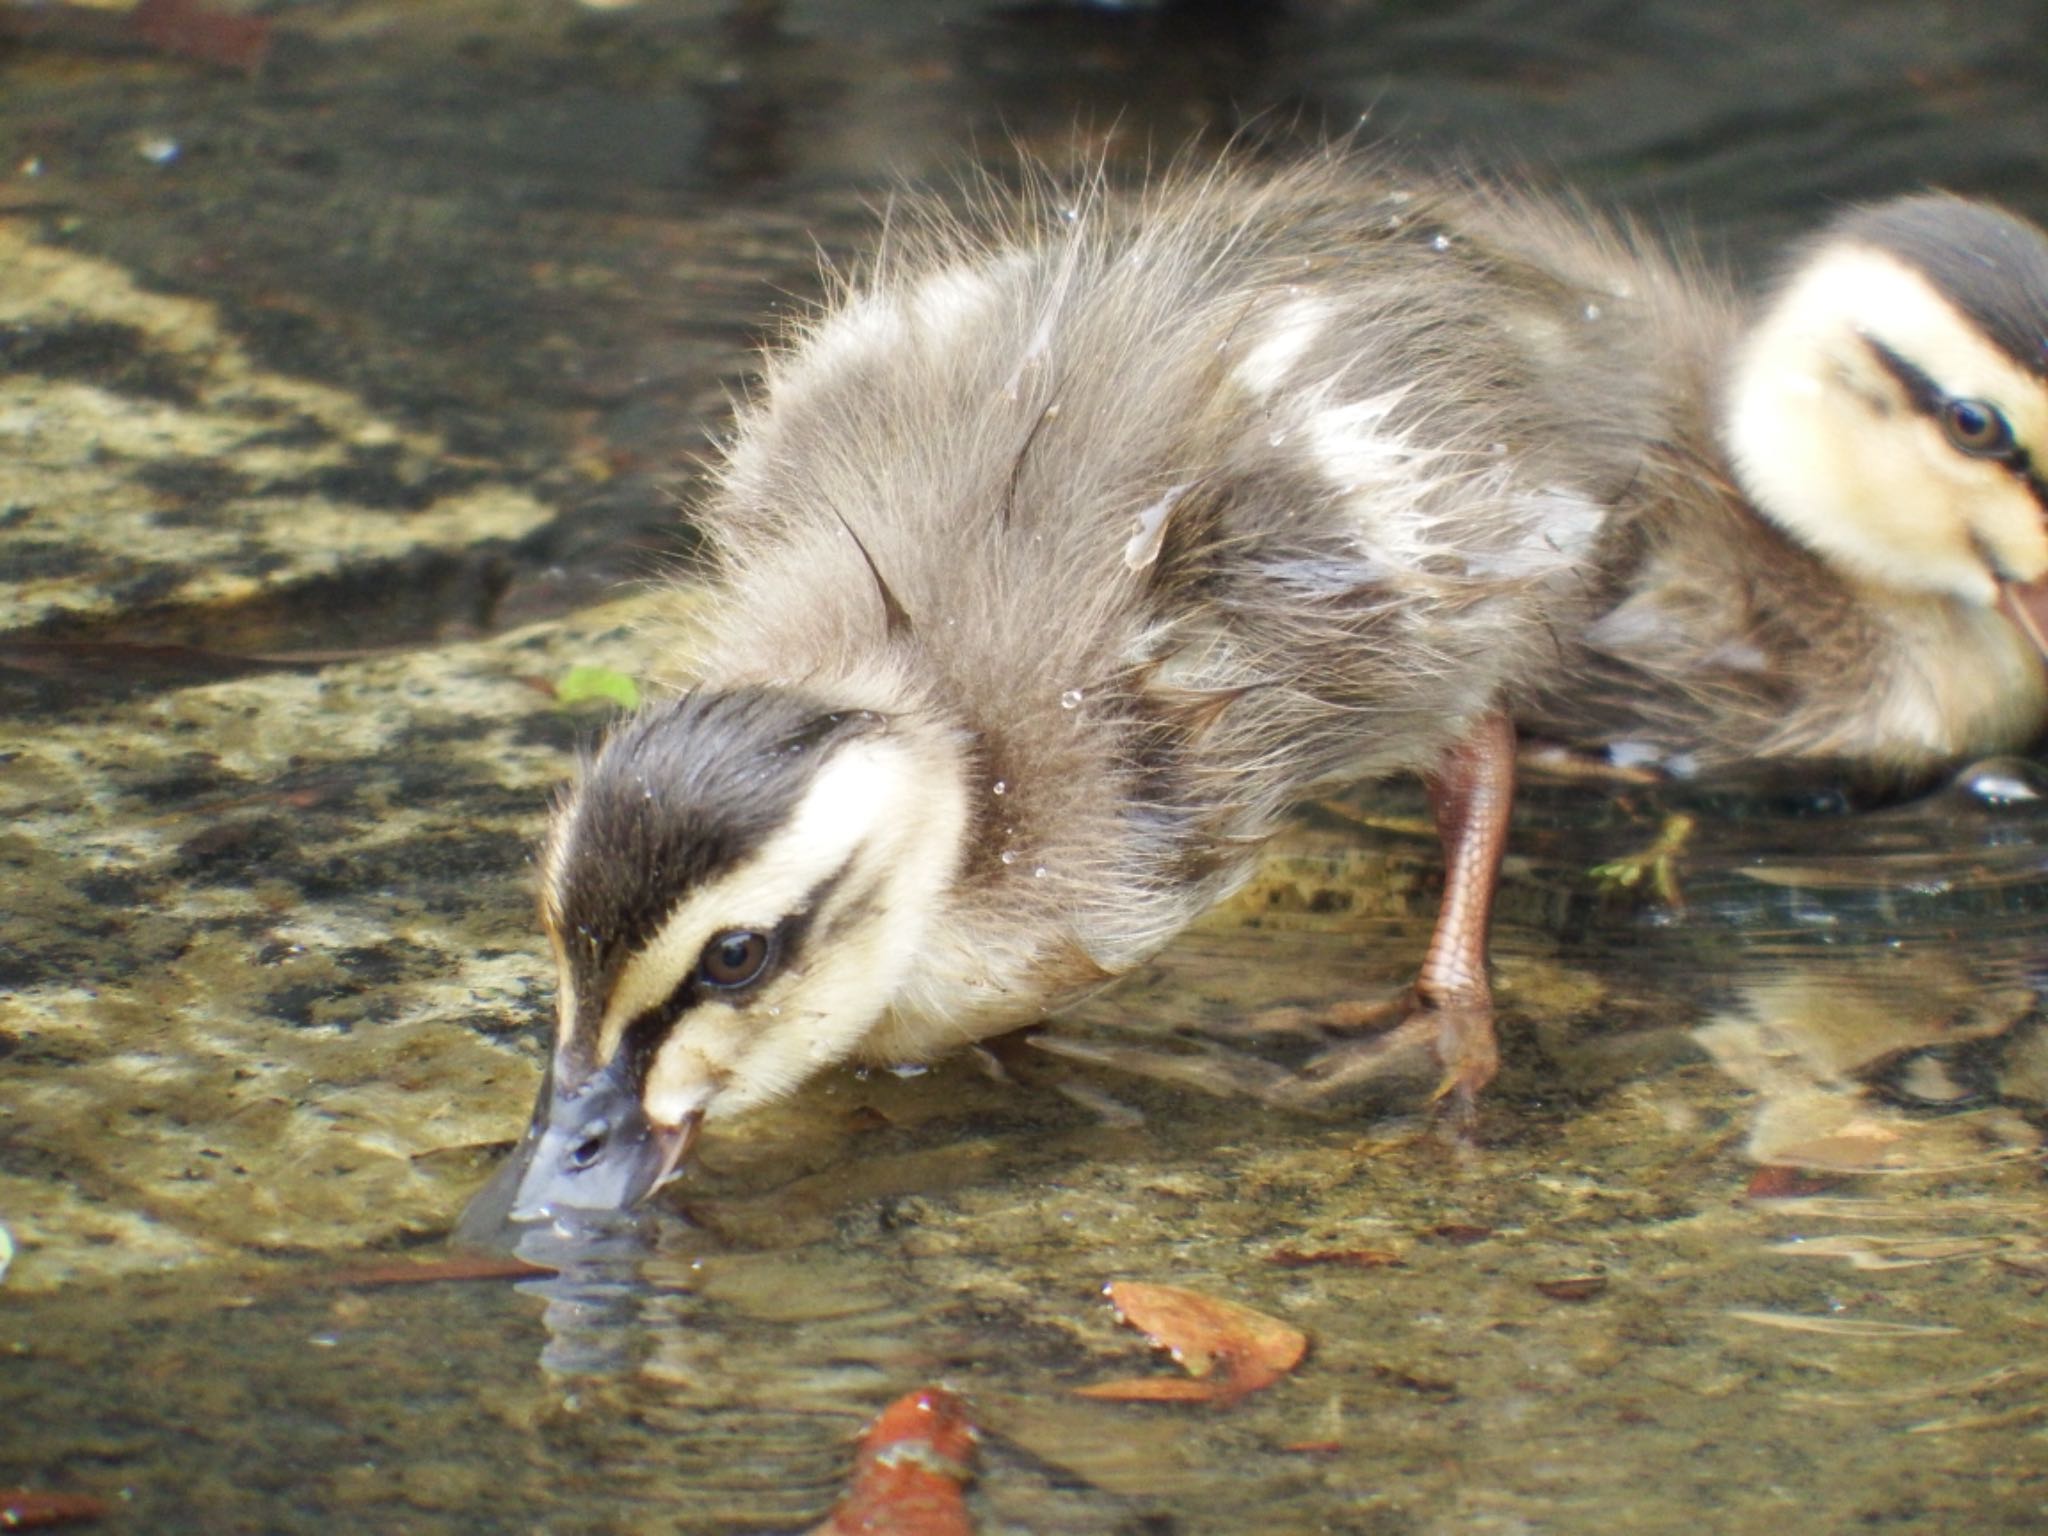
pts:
[587, 1151]
[1975, 428]
[734, 958]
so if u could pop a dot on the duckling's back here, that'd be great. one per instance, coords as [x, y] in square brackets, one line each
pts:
[1182, 501]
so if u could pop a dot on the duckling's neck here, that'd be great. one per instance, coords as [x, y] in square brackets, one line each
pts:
[1958, 681]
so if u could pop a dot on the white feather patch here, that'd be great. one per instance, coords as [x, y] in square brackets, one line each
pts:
[1269, 360]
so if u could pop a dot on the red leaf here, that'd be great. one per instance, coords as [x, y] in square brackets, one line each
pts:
[21, 1508]
[1230, 1349]
[908, 1476]
[1776, 1182]
[187, 29]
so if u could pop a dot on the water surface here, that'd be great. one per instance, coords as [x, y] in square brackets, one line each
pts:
[337, 400]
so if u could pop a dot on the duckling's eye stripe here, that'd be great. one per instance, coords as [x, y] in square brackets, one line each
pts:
[644, 1033]
[640, 1036]
[1929, 399]
[1922, 392]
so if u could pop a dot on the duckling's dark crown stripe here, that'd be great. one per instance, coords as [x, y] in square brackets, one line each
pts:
[1989, 264]
[680, 795]
[1929, 399]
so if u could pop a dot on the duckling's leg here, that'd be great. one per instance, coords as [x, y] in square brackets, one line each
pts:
[1472, 792]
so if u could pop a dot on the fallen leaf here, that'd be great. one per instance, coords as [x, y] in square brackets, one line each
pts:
[21, 1508]
[914, 1462]
[1778, 1182]
[1573, 1287]
[1229, 1349]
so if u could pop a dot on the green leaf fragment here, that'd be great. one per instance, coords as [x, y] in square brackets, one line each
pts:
[582, 684]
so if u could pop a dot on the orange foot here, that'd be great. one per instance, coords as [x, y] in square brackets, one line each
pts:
[1456, 1033]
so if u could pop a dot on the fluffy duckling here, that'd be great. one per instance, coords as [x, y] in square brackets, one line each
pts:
[1850, 568]
[1074, 542]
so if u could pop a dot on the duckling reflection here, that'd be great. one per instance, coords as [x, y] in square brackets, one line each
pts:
[1081, 537]
[1867, 590]
[1849, 1060]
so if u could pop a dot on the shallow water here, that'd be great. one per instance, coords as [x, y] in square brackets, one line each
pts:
[337, 399]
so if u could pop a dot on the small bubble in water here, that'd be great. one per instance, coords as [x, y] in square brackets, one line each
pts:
[1440, 242]
[1070, 215]
[1071, 699]
[999, 788]
[158, 151]
[1038, 871]
[1591, 311]
[1009, 855]
[909, 1069]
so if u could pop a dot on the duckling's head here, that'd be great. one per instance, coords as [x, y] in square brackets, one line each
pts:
[1889, 407]
[735, 890]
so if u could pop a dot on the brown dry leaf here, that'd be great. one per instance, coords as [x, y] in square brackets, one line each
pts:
[1230, 1349]
[1573, 1287]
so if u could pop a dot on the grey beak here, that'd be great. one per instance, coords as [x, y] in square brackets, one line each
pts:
[588, 1148]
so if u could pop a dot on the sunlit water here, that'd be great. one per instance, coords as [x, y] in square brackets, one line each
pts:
[1754, 1223]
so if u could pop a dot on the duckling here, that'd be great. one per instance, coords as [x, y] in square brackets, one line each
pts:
[1844, 564]
[1080, 537]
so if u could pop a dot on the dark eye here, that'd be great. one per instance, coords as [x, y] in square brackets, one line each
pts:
[587, 1151]
[1976, 428]
[734, 958]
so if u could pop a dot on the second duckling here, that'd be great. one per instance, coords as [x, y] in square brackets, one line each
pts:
[1842, 563]
[1075, 541]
